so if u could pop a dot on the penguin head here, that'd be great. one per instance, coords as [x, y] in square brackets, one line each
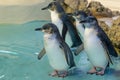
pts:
[89, 21]
[51, 6]
[48, 28]
[54, 6]
[79, 15]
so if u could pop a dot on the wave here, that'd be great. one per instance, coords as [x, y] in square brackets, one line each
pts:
[2, 76]
[8, 52]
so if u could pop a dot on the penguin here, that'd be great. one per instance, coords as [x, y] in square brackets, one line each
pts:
[65, 26]
[97, 46]
[58, 52]
[78, 16]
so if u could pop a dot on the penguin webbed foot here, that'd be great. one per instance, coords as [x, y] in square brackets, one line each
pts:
[63, 74]
[92, 71]
[100, 72]
[59, 74]
[54, 73]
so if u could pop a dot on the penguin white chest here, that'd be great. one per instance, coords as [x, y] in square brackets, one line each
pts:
[80, 29]
[57, 21]
[55, 54]
[94, 49]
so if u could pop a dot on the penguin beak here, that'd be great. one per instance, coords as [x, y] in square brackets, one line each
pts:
[38, 29]
[74, 14]
[45, 8]
[83, 21]
[71, 14]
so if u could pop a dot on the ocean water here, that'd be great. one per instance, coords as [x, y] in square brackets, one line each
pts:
[19, 46]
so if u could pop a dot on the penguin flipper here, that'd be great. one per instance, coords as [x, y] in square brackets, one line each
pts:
[104, 38]
[107, 52]
[64, 31]
[72, 31]
[79, 49]
[41, 54]
[68, 54]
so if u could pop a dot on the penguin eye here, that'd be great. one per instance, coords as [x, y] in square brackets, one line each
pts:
[45, 28]
[53, 3]
[50, 5]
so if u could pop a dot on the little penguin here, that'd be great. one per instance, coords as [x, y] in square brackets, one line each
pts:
[78, 16]
[64, 24]
[97, 46]
[58, 52]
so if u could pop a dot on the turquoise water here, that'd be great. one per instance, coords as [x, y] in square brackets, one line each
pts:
[19, 46]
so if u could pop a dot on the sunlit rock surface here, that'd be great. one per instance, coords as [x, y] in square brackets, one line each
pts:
[112, 4]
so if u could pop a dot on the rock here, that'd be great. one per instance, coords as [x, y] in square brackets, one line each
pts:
[116, 37]
[116, 22]
[113, 33]
[75, 5]
[98, 10]
[115, 13]
[72, 3]
[95, 4]
[104, 26]
[83, 4]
